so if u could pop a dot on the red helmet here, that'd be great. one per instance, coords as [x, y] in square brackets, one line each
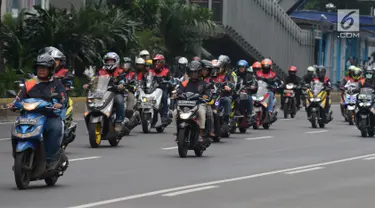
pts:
[196, 58]
[158, 61]
[292, 69]
[256, 65]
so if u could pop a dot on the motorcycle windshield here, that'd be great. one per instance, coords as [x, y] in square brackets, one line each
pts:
[262, 88]
[317, 87]
[352, 88]
[99, 87]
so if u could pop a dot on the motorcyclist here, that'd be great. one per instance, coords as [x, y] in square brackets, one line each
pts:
[206, 76]
[349, 77]
[266, 74]
[292, 78]
[144, 54]
[221, 76]
[369, 79]
[321, 77]
[161, 73]
[256, 66]
[249, 81]
[182, 67]
[42, 87]
[130, 76]
[112, 68]
[309, 76]
[196, 85]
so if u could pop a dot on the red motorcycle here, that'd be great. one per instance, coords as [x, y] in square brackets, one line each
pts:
[260, 103]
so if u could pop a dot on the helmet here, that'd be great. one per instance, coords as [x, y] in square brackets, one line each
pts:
[266, 65]
[207, 64]
[183, 61]
[214, 62]
[369, 74]
[321, 72]
[111, 66]
[55, 53]
[196, 58]
[140, 61]
[292, 70]
[256, 65]
[357, 72]
[158, 61]
[149, 63]
[224, 60]
[195, 67]
[242, 63]
[144, 54]
[311, 69]
[45, 60]
[351, 70]
[127, 60]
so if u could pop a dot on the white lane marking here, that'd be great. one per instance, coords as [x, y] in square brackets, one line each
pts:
[258, 138]
[316, 132]
[303, 170]
[4, 139]
[190, 190]
[169, 148]
[369, 158]
[84, 158]
[163, 191]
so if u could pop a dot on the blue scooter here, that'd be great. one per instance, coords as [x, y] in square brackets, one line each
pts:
[28, 144]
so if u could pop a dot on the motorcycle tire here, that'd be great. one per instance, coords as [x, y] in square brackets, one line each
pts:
[350, 117]
[198, 151]
[95, 139]
[370, 133]
[266, 126]
[286, 110]
[114, 142]
[182, 148]
[160, 129]
[146, 125]
[363, 133]
[243, 130]
[22, 176]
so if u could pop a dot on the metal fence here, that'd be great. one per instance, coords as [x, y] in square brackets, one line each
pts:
[263, 29]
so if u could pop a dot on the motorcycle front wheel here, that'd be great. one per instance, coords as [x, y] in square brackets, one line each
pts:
[23, 168]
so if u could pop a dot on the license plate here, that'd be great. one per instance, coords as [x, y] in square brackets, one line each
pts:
[288, 91]
[27, 121]
[257, 109]
[186, 103]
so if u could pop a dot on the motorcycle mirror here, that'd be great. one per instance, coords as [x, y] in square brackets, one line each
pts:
[12, 93]
[20, 71]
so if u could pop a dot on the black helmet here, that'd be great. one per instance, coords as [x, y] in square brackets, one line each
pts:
[369, 74]
[207, 64]
[45, 60]
[195, 66]
[321, 72]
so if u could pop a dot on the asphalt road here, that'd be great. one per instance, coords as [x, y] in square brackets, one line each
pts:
[290, 165]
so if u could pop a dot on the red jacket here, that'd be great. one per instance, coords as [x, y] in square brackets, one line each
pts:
[130, 75]
[61, 73]
[220, 78]
[163, 73]
[117, 72]
[269, 75]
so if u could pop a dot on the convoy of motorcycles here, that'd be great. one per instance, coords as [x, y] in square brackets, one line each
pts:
[100, 116]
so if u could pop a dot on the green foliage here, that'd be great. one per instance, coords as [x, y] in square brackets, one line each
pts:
[126, 27]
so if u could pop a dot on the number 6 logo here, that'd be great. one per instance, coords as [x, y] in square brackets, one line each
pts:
[347, 18]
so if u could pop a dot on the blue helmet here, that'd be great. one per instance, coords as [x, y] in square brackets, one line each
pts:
[242, 63]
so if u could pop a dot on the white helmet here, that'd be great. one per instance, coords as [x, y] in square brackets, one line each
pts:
[183, 61]
[311, 69]
[140, 61]
[144, 53]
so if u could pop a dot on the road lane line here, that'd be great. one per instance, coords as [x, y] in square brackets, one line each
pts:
[258, 138]
[303, 170]
[84, 158]
[190, 190]
[4, 139]
[316, 132]
[163, 191]
[169, 148]
[369, 158]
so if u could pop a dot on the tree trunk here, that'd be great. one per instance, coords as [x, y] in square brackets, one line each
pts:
[2, 68]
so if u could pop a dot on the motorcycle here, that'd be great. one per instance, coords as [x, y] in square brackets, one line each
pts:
[364, 118]
[316, 102]
[69, 125]
[214, 105]
[241, 119]
[100, 116]
[187, 125]
[224, 126]
[349, 105]
[28, 144]
[260, 103]
[289, 100]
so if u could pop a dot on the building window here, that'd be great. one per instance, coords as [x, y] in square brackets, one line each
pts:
[201, 3]
[217, 10]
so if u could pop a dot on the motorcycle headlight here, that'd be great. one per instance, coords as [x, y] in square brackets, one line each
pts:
[368, 104]
[185, 116]
[30, 106]
[315, 99]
